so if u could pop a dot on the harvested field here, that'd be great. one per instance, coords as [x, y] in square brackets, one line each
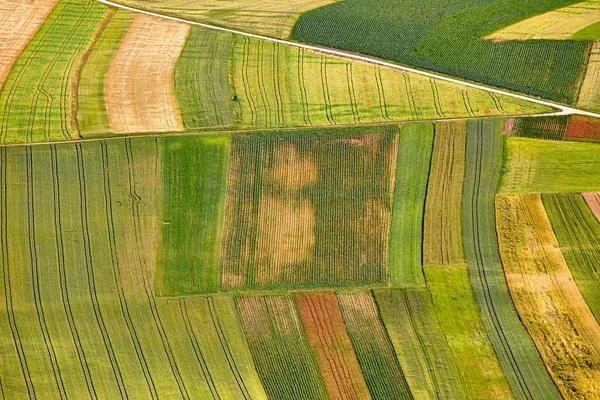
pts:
[193, 214]
[139, 88]
[278, 85]
[18, 24]
[547, 166]
[265, 17]
[420, 346]
[442, 239]
[549, 128]
[578, 233]
[92, 118]
[374, 351]
[589, 93]
[281, 353]
[309, 209]
[415, 146]
[593, 200]
[202, 79]
[516, 353]
[458, 317]
[37, 98]
[583, 129]
[559, 24]
[548, 300]
[326, 333]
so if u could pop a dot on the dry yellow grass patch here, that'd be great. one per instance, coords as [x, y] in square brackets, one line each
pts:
[589, 94]
[139, 88]
[19, 21]
[558, 24]
[546, 297]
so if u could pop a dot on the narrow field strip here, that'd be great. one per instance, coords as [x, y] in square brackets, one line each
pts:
[442, 239]
[583, 129]
[548, 128]
[415, 147]
[18, 24]
[92, 118]
[202, 80]
[139, 89]
[578, 234]
[193, 214]
[420, 345]
[593, 201]
[374, 351]
[589, 92]
[38, 95]
[281, 353]
[548, 300]
[516, 352]
[326, 333]
[310, 209]
[458, 317]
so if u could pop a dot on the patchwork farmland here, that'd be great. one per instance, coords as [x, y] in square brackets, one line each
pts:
[197, 202]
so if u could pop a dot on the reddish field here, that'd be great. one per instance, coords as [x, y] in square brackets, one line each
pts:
[583, 128]
[593, 200]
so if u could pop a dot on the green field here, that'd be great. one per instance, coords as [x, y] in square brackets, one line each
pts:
[546, 166]
[193, 214]
[514, 348]
[445, 36]
[36, 98]
[549, 128]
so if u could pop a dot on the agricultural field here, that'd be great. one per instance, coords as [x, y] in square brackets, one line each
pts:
[198, 202]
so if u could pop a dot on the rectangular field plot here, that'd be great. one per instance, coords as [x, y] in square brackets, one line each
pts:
[549, 128]
[309, 209]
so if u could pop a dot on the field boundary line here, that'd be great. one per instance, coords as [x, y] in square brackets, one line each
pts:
[563, 109]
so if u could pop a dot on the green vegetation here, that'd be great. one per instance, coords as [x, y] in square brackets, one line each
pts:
[590, 32]
[549, 128]
[578, 233]
[91, 108]
[419, 342]
[309, 208]
[375, 353]
[193, 214]
[283, 358]
[458, 317]
[446, 36]
[415, 146]
[546, 166]
[442, 241]
[36, 99]
[202, 79]
[516, 353]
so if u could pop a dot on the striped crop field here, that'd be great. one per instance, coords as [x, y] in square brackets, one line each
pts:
[92, 118]
[281, 352]
[415, 146]
[548, 300]
[139, 89]
[583, 129]
[442, 241]
[578, 234]
[309, 209]
[589, 94]
[37, 96]
[327, 336]
[549, 128]
[419, 342]
[548, 166]
[268, 17]
[193, 214]
[458, 317]
[78, 314]
[516, 352]
[382, 371]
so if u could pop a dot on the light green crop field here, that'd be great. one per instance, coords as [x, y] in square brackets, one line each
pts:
[547, 166]
[36, 99]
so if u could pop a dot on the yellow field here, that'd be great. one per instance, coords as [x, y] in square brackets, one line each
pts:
[589, 94]
[139, 89]
[558, 24]
[547, 299]
[266, 17]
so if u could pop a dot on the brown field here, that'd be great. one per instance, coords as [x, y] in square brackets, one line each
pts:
[583, 128]
[547, 299]
[327, 336]
[593, 200]
[589, 94]
[19, 21]
[139, 89]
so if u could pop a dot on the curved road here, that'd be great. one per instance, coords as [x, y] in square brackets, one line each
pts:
[563, 109]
